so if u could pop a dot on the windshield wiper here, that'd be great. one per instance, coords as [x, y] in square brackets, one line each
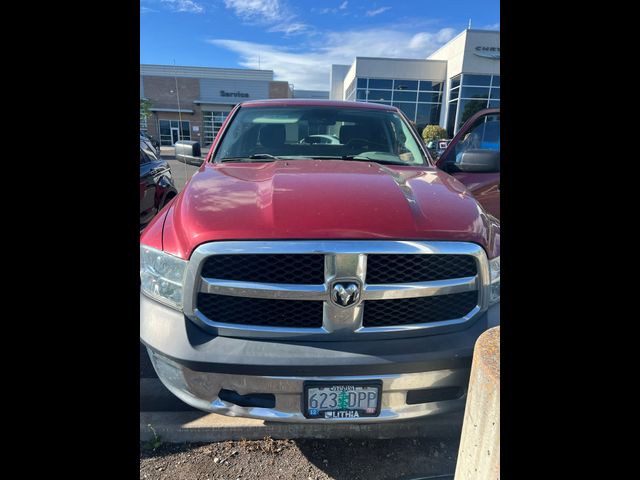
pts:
[360, 158]
[256, 156]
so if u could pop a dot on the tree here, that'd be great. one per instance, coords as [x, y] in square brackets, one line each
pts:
[145, 110]
[433, 132]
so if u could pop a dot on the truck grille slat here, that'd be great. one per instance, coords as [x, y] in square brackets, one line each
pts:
[394, 268]
[267, 268]
[407, 311]
[261, 311]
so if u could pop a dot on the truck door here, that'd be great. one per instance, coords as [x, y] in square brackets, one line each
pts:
[480, 132]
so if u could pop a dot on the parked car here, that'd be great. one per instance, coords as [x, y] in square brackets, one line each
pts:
[155, 144]
[156, 183]
[437, 147]
[318, 282]
[473, 157]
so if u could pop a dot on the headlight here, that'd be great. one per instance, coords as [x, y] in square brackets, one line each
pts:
[162, 276]
[494, 271]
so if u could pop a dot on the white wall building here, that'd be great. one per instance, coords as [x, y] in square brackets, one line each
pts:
[446, 88]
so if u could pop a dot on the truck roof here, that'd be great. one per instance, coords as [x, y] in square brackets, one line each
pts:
[292, 102]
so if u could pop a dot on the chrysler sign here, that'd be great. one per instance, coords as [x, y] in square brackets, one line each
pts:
[488, 52]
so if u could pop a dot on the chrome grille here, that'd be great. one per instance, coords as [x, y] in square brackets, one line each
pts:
[407, 288]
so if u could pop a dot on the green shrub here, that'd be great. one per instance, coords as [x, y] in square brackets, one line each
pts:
[433, 132]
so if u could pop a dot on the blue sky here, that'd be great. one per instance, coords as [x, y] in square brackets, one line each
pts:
[300, 39]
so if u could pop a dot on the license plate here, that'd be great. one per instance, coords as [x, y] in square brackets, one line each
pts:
[330, 400]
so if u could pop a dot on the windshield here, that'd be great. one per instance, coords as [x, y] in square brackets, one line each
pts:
[265, 134]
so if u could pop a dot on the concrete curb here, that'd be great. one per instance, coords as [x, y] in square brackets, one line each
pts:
[196, 426]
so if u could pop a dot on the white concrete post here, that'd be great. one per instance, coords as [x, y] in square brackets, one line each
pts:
[479, 452]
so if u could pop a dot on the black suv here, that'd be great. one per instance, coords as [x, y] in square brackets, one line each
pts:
[156, 184]
[152, 141]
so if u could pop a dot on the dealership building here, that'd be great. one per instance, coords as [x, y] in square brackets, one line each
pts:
[191, 103]
[446, 88]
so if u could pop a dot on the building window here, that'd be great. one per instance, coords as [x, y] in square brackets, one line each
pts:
[474, 92]
[405, 85]
[405, 96]
[380, 83]
[451, 118]
[376, 95]
[418, 99]
[476, 80]
[211, 124]
[429, 86]
[428, 114]
[429, 97]
[172, 131]
[467, 109]
[409, 109]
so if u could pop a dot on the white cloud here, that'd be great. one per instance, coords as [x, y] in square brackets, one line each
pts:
[308, 67]
[267, 10]
[294, 28]
[324, 11]
[188, 6]
[493, 26]
[377, 11]
[424, 40]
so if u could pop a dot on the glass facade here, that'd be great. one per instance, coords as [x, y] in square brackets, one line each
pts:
[420, 100]
[468, 94]
[211, 124]
[171, 131]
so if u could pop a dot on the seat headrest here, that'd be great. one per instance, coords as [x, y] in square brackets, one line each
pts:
[349, 132]
[272, 135]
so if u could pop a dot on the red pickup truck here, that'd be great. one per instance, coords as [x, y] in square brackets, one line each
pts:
[302, 281]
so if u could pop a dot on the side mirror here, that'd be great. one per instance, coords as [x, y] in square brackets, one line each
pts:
[188, 152]
[479, 161]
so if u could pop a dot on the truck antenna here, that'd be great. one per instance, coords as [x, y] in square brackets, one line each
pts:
[175, 76]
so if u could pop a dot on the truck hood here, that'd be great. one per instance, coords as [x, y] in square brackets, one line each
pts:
[325, 199]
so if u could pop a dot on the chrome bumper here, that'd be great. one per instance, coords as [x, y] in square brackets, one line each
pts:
[200, 390]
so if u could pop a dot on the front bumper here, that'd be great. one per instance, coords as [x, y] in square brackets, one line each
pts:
[196, 366]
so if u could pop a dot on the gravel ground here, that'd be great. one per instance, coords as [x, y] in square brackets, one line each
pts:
[344, 459]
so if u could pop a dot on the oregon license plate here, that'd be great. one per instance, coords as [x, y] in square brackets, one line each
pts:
[342, 400]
